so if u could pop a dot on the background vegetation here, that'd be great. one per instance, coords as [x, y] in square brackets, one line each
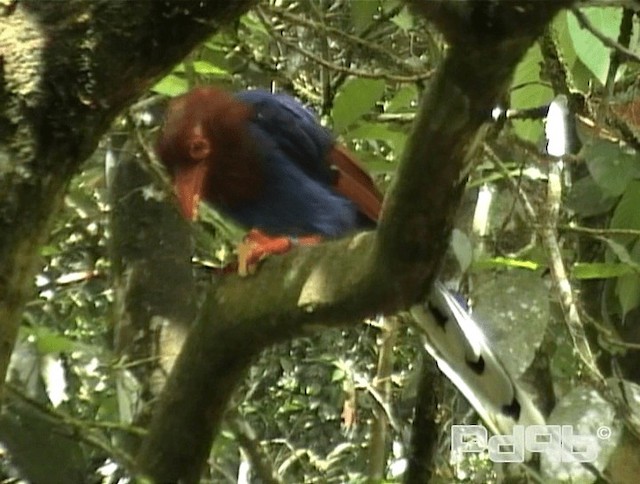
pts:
[338, 406]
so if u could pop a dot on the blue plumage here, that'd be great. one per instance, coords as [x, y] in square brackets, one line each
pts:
[297, 197]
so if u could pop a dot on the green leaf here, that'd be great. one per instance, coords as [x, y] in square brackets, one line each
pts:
[528, 91]
[599, 270]
[496, 262]
[205, 67]
[628, 286]
[611, 166]
[48, 341]
[355, 98]
[363, 12]
[338, 375]
[403, 100]
[171, 85]
[591, 51]
[628, 292]
[622, 254]
[587, 199]
[627, 214]
[404, 20]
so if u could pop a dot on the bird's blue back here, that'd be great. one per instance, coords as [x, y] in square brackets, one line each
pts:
[297, 198]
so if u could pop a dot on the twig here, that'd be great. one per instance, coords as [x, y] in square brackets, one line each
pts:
[78, 429]
[260, 462]
[335, 67]
[599, 232]
[559, 274]
[352, 39]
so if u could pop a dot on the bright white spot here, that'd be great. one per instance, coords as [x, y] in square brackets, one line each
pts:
[54, 379]
[152, 193]
[481, 214]
[555, 129]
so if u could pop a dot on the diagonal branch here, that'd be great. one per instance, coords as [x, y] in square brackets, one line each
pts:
[341, 281]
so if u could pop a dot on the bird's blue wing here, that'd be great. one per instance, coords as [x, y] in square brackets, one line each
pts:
[293, 129]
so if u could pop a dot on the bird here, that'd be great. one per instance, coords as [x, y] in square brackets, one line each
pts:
[264, 160]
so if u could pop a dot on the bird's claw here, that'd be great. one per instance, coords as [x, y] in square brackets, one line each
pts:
[257, 246]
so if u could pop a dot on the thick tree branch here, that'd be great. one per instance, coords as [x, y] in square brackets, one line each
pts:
[341, 281]
[66, 69]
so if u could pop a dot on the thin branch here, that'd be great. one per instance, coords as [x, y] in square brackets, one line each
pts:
[338, 68]
[351, 39]
[81, 429]
[560, 276]
[260, 462]
[598, 232]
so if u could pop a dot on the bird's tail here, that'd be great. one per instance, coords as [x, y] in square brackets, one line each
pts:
[459, 347]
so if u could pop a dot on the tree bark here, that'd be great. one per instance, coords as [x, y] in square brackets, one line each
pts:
[66, 69]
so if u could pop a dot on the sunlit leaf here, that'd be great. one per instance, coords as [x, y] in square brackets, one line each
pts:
[171, 85]
[591, 51]
[528, 91]
[204, 67]
[403, 100]
[404, 19]
[496, 262]
[599, 270]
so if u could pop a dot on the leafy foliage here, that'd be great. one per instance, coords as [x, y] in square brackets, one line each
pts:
[311, 405]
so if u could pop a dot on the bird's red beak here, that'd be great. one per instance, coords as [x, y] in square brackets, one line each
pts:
[189, 184]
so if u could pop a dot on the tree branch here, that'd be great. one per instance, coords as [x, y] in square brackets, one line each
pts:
[66, 69]
[341, 281]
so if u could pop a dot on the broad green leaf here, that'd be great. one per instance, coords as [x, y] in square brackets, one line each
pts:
[628, 286]
[622, 253]
[627, 214]
[527, 92]
[171, 85]
[587, 199]
[363, 12]
[338, 375]
[404, 20]
[563, 39]
[628, 292]
[611, 166]
[49, 342]
[355, 98]
[599, 270]
[587, 413]
[205, 67]
[589, 49]
[402, 100]
[512, 307]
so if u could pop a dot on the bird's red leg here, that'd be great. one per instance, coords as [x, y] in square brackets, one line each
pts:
[257, 245]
